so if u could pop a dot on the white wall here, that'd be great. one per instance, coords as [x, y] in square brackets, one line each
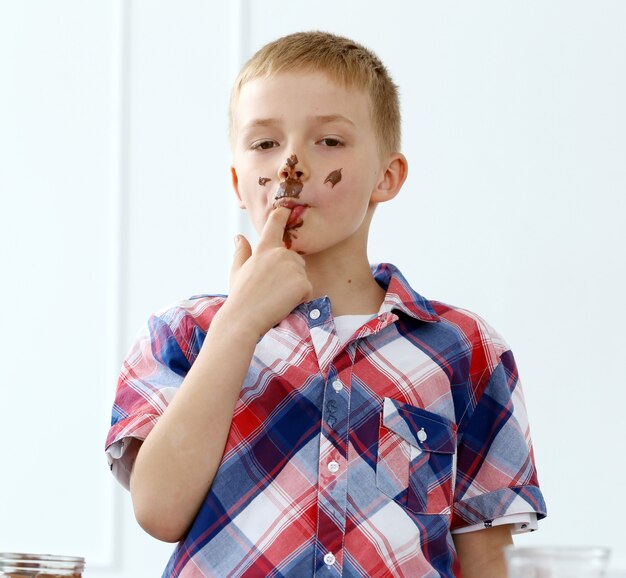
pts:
[116, 201]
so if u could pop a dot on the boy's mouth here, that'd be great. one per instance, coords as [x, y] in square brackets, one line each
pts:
[297, 210]
[295, 219]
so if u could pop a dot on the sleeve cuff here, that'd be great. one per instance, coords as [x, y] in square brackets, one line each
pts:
[493, 505]
[120, 449]
[121, 457]
[520, 524]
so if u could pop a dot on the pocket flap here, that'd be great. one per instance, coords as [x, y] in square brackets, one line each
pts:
[422, 429]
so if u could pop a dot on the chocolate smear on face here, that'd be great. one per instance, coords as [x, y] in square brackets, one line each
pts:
[333, 178]
[289, 235]
[263, 181]
[291, 185]
[287, 238]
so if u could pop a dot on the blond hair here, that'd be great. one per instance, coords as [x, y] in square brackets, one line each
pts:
[345, 62]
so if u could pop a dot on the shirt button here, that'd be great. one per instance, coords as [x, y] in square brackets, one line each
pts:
[337, 385]
[314, 313]
[422, 435]
[329, 559]
[333, 467]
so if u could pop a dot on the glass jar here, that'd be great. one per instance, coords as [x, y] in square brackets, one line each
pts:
[556, 562]
[13, 565]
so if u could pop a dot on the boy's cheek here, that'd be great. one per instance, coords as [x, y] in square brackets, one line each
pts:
[258, 218]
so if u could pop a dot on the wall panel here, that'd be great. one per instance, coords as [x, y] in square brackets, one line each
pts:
[59, 319]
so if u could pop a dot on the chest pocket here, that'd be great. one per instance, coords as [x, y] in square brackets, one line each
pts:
[416, 458]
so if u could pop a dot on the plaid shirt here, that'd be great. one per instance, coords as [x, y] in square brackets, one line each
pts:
[346, 460]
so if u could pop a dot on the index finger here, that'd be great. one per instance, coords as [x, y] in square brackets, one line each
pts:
[274, 228]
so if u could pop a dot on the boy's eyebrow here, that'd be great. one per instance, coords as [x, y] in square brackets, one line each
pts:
[260, 122]
[328, 118]
[321, 119]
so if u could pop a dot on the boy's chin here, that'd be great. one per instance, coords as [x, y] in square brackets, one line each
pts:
[297, 246]
[305, 247]
[309, 241]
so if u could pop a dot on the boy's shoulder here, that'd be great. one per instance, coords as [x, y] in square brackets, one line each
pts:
[466, 325]
[194, 312]
[474, 329]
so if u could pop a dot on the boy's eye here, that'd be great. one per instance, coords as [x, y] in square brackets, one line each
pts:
[331, 142]
[264, 145]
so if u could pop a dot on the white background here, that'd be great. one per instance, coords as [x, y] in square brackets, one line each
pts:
[115, 198]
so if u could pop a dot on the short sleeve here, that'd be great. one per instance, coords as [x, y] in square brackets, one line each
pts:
[496, 474]
[150, 376]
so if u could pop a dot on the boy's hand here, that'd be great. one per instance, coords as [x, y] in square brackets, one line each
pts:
[267, 284]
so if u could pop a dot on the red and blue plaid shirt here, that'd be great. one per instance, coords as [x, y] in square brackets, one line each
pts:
[346, 460]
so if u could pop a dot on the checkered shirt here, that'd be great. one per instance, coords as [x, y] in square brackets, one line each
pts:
[346, 460]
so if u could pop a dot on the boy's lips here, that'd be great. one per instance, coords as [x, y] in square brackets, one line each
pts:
[297, 210]
[295, 219]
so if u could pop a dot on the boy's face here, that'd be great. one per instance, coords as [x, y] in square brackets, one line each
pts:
[338, 167]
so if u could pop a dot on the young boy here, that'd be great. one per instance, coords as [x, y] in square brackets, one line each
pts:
[324, 419]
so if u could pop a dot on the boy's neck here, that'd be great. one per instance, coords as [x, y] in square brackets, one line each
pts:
[347, 281]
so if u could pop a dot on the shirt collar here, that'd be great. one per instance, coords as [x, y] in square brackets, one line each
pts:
[400, 295]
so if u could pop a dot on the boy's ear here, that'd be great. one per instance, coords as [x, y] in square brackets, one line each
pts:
[235, 183]
[392, 179]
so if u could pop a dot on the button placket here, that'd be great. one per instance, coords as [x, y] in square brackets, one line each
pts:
[324, 340]
[333, 472]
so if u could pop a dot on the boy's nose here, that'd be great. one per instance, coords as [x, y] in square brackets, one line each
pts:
[296, 174]
[292, 168]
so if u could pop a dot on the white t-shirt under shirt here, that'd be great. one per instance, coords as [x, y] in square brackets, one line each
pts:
[345, 326]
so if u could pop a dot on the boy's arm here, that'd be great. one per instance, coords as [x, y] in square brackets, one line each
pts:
[177, 462]
[481, 553]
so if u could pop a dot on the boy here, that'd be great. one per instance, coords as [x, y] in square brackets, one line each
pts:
[324, 419]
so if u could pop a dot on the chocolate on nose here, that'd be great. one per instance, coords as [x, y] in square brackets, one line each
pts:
[288, 168]
[289, 165]
[291, 184]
